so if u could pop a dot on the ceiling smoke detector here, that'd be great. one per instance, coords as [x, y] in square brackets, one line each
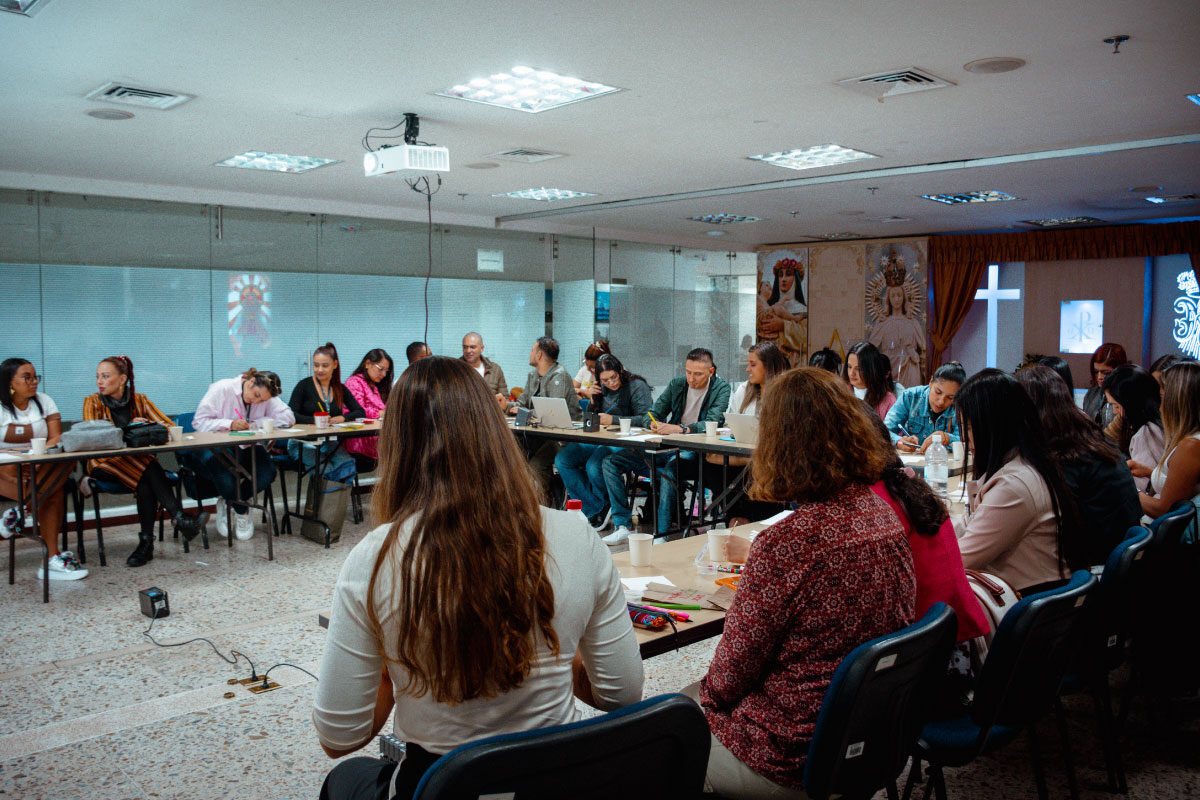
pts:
[993, 66]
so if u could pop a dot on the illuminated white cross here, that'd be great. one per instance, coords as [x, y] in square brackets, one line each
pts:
[993, 293]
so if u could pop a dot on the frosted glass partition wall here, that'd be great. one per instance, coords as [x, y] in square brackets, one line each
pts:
[195, 293]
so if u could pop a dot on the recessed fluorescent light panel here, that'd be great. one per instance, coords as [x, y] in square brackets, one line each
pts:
[1195, 98]
[544, 194]
[527, 89]
[969, 197]
[724, 219]
[275, 162]
[26, 7]
[1054, 222]
[823, 155]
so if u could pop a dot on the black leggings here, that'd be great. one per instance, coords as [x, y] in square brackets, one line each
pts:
[152, 491]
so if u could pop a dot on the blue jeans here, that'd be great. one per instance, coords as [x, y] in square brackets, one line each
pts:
[617, 464]
[578, 465]
[209, 466]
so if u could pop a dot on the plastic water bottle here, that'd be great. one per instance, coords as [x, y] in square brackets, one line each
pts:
[937, 467]
[577, 507]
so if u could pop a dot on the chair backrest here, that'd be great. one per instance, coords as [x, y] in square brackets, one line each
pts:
[185, 421]
[1168, 529]
[875, 706]
[656, 747]
[1030, 655]
[1110, 611]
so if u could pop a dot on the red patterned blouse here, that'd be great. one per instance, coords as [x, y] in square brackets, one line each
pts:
[815, 586]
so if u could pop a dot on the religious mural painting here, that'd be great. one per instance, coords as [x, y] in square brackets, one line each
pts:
[782, 314]
[895, 306]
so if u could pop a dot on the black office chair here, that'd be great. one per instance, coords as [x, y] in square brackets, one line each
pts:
[1165, 641]
[655, 748]
[1107, 625]
[875, 707]
[1017, 685]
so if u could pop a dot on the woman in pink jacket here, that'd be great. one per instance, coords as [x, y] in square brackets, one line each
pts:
[370, 384]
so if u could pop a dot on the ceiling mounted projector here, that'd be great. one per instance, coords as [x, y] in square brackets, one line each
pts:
[406, 158]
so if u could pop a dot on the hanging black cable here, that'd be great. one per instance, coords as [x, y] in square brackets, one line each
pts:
[422, 186]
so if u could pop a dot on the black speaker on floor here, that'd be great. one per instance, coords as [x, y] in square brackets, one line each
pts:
[154, 603]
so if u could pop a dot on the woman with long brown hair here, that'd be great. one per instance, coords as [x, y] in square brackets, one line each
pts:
[1177, 475]
[468, 606]
[835, 573]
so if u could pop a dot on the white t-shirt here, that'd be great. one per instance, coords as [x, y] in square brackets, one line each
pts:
[585, 376]
[31, 415]
[691, 408]
[589, 616]
[481, 369]
[739, 394]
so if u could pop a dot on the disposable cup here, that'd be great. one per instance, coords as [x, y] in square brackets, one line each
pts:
[716, 545]
[38, 446]
[710, 430]
[625, 423]
[640, 545]
[176, 433]
[268, 424]
[957, 451]
[321, 419]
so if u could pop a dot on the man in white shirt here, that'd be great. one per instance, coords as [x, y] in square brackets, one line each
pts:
[493, 376]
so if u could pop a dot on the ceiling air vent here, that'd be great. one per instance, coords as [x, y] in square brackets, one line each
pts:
[525, 155]
[133, 96]
[895, 82]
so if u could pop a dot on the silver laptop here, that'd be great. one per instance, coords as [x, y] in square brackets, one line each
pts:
[552, 412]
[744, 427]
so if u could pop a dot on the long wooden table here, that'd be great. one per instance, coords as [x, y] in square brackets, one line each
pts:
[217, 441]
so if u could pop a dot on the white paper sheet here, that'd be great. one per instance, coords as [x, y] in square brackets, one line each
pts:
[645, 437]
[640, 584]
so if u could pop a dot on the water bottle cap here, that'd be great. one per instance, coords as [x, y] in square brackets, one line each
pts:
[574, 505]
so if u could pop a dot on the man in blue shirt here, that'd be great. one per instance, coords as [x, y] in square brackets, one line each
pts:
[925, 412]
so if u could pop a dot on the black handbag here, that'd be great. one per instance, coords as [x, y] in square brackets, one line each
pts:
[145, 434]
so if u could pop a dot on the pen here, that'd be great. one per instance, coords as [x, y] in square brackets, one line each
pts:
[679, 616]
[651, 416]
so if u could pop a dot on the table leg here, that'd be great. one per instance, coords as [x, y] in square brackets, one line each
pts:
[37, 529]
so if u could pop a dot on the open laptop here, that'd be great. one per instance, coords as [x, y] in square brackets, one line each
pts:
[552, 412]
[744, 428]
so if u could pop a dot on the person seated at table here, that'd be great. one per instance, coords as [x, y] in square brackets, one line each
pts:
[1177, 474]
[1107, 357]
[764, 362]
[578, 464]
[827, 360]
[548, 378]
[1022, 525]
[27, 414]
[1164, 363]
[1105, 497]
[415, 352]
[870, 382]
[454, 649]
[323, 392]
[490, 371]
[587, 385]
[832, 575]
[1137, 430]
[923, 413]
[117, 401]
[1063, 369]
[369, 385]
[688, 402]
[237, 404]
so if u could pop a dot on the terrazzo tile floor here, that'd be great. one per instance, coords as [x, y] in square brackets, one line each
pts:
[89, 708]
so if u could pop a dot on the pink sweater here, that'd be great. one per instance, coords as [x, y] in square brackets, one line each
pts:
[368, 397]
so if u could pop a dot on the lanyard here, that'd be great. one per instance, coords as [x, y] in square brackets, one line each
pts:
[324, 399]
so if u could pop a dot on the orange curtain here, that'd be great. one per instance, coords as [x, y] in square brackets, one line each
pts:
[956, 263]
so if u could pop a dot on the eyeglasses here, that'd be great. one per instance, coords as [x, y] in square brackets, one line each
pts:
[612, 380]
[29, 378]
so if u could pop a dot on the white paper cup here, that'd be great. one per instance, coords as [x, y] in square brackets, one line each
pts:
[625, 423]
[176, 433]
[321, 420]
[716, 545]
[268, 424]
[957, 451]
[38, 446]
[710, 430]
[640, 545]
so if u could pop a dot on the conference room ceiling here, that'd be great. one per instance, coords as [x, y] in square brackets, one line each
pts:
[705, 85]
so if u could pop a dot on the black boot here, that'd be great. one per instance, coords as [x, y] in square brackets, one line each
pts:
[144, 552]
[190, 526]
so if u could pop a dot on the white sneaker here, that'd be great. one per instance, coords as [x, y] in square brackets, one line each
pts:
[243, 526]
[222, 518]
[64, 567]
[618, 536]
[10, 523]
